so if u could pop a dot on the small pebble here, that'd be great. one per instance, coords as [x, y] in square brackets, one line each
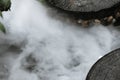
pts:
[85, 23]
[97, 21]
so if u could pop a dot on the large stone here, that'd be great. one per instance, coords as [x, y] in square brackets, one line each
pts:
[107, 68]
[87, 9]
[84, 5]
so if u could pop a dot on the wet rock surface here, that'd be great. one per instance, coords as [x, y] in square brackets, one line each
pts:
[107, 68]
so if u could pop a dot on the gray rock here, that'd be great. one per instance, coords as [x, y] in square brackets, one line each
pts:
[83, 5]
[88, 9]
[107, 68]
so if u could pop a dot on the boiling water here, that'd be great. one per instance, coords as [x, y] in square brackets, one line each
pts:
[46, 48]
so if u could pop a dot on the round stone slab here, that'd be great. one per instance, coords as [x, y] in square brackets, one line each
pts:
[83, 5]
[87, 9]
[107, 68]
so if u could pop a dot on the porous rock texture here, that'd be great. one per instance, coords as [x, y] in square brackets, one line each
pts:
[87, 9]
[107, 68]
[84, 5]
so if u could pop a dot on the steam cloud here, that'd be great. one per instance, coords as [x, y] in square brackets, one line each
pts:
[47, 48]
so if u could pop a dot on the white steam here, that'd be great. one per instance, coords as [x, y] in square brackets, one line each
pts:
[50, 49]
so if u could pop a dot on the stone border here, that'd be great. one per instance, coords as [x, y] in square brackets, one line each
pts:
[107, 68]
[91, 15]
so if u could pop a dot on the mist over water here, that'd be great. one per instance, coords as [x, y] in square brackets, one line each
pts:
[46, 48]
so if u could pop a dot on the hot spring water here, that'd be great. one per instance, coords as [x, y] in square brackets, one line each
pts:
[46, 48]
